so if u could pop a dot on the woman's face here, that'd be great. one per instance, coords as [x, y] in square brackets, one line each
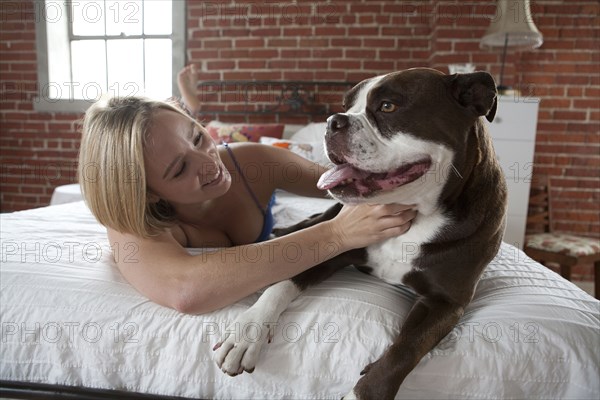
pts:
[182, 162]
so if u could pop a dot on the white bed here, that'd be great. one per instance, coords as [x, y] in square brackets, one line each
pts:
[69, 318]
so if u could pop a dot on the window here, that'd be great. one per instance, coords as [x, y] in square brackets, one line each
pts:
[88, 48]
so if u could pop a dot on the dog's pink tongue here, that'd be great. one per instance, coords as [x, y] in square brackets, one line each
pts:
[336, 175]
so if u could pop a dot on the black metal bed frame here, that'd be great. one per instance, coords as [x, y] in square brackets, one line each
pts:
[44, 391]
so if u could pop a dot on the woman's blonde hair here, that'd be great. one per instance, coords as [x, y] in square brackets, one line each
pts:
[111, 165]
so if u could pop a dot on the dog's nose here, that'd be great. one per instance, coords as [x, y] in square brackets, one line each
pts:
[337, 122]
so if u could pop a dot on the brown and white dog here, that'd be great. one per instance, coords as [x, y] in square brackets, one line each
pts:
[409, 137]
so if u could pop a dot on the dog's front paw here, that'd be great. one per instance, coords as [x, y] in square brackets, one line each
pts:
[239, 347]
[379, 380]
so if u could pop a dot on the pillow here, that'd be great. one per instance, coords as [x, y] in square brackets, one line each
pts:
[313, 132]
[313, 151]
[291, 129]
[227, 133]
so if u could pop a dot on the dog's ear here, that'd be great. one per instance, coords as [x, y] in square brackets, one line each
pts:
[476, 92]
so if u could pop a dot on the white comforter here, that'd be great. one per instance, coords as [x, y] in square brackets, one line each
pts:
[68, 317]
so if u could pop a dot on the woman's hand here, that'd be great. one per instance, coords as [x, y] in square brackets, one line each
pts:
[361, 225]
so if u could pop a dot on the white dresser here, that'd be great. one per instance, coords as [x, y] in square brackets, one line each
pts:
[513, 131]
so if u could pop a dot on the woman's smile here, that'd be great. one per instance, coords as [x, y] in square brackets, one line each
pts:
[217, 179]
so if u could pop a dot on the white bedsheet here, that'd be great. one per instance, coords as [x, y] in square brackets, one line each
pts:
[68, 317]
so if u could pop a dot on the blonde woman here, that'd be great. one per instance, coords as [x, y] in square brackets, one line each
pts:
[156, 180]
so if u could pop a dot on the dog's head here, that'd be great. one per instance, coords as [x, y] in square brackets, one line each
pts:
[397, 140]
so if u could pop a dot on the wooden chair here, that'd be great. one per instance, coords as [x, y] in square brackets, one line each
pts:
[552, 247]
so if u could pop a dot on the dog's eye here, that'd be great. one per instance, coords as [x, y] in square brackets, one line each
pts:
[388, 107]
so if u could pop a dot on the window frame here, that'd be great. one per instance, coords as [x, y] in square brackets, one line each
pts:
[43, 103]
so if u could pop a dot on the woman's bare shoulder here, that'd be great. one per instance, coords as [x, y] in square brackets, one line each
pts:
[282, 167]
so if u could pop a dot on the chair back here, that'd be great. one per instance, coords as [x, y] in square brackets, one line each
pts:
[539, 214]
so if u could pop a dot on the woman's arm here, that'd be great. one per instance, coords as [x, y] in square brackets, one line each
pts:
[162, 270]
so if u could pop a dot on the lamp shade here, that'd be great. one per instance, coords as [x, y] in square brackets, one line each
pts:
[513, 27]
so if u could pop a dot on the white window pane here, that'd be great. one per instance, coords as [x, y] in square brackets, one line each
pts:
[88, 17]
[124, 17]
[58, 45]
[89, 68]
[158, 68]
[158, 17]
[125, 67]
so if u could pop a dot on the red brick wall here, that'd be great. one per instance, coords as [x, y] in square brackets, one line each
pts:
[339, 40]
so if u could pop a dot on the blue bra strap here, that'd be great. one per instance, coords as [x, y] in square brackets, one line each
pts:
[239, 170]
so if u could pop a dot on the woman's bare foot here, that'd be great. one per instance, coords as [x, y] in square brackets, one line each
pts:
[187, 81]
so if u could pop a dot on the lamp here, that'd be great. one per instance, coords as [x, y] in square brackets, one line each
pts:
[513, 27]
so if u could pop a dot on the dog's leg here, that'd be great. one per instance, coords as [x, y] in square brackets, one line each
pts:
[427, 323]
[324, 270]
[312, 220]
[238, 349]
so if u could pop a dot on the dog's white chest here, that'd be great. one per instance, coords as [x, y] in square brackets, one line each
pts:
[393, 258]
